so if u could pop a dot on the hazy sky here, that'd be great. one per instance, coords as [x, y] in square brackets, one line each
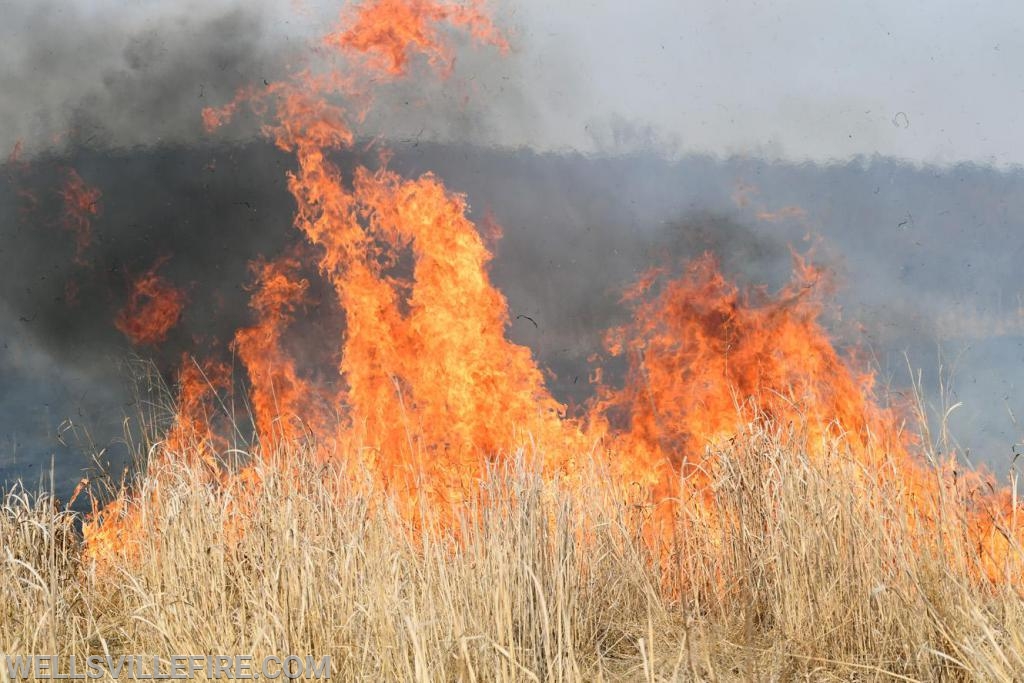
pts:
[937, 81]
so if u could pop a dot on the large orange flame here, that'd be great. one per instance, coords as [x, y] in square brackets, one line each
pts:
[431, 382]
[701, 353]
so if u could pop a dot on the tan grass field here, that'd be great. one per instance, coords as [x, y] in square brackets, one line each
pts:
[794, 570]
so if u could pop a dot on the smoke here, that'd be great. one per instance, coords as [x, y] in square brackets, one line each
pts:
[116, 75]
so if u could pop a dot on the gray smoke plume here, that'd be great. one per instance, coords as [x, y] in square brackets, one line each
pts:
[119, 75]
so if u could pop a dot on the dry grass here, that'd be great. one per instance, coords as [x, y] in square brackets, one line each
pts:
[796, 569]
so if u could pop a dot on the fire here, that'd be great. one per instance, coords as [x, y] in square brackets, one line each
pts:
[701, 353]
[282, 401]
[191, 435]
[153, 309]
[389, 32]
[431, 388]
[191, 438]
[424, 420]
[81, 205]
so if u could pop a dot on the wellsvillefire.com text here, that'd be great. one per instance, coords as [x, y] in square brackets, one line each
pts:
[160, 668]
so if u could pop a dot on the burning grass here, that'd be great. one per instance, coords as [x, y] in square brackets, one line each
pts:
[427, 510]
[790, 567]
